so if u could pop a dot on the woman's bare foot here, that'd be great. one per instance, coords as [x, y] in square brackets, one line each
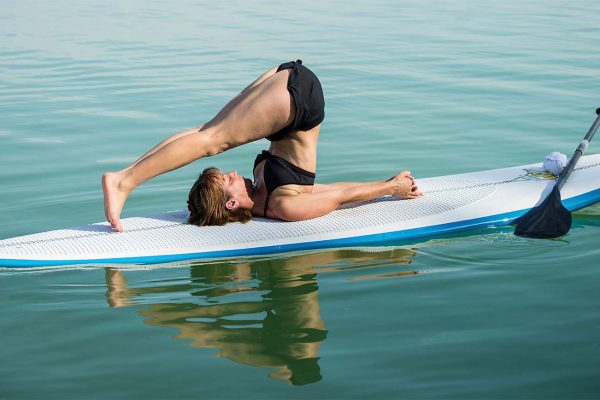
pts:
[114, 198]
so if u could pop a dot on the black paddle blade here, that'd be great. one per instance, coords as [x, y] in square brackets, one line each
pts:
[548, 220]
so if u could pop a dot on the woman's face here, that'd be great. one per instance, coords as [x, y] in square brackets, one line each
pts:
[237, 188]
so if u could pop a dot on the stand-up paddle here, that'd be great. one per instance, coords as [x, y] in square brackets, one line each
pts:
[551, 219]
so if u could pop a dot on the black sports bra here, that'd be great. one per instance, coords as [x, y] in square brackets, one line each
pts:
[278, 172]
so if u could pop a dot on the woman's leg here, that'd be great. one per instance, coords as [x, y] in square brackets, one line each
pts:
[257, 112]
[162, 144]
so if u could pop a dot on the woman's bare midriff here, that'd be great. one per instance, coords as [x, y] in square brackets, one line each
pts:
[299, 148]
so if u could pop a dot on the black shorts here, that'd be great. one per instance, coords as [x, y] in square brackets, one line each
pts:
[309, 103]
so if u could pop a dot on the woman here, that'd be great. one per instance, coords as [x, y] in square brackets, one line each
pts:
[284, 105]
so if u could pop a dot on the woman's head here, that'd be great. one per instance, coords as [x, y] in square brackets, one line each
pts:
[217, 198]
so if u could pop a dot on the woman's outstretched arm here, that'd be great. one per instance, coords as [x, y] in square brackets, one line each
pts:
[326, 198]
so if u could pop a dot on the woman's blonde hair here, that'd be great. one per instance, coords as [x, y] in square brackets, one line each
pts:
[207, 199]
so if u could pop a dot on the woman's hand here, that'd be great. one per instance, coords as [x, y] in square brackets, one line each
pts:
[404, 186]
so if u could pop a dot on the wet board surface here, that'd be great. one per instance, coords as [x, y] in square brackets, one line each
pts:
[450, 203]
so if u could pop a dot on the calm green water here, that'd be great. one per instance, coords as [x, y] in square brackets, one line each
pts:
[434, 87]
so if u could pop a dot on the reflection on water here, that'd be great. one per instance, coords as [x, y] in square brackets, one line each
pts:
[259, 313]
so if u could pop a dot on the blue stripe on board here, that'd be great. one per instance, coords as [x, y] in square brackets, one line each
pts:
[572, 204]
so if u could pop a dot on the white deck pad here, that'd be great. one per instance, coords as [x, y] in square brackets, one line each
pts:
[450, 204]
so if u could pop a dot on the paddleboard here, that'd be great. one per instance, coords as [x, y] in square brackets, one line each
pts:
[450, 204]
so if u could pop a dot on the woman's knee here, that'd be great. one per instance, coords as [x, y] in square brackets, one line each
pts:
[209, 142]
